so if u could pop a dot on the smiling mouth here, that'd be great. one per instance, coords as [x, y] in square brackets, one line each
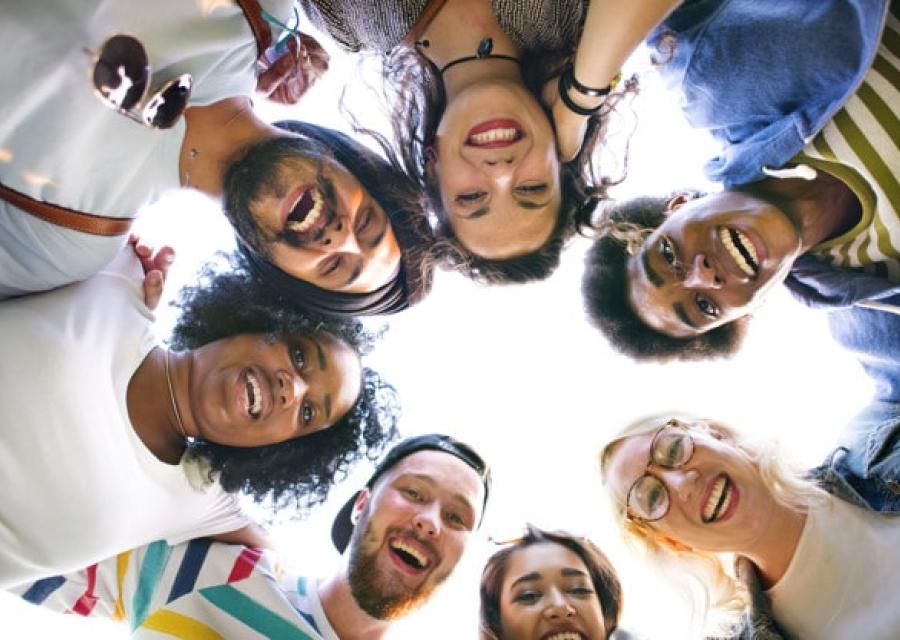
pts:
[495, 134]
[409, 555]
[719, 499]
[252, 394]
[308, 213]
[565, 635]
[741, 250]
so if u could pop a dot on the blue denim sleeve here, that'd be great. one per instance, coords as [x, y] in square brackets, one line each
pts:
[865, 469]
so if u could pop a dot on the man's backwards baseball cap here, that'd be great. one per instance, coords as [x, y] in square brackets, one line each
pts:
[342, 527]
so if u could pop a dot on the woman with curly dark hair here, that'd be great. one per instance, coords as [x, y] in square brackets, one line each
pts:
[110, 440]
[298, 470]
[548, 585]
[465, 79]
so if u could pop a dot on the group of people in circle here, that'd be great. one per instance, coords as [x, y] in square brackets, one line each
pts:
[122, 498]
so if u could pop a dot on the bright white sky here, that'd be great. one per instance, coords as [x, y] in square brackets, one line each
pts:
[517, 372]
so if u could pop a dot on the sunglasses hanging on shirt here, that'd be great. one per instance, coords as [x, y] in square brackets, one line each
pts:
[121, 77]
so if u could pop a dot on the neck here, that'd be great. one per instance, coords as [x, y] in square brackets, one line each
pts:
[214, 136]
[346, 618]
[773, 552]
[822, 208]
[150, 406]
[456, 32]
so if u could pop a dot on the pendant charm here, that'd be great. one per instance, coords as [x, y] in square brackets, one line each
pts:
[485, 47]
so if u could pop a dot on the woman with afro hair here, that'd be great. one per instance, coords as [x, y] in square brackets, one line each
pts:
[111, 441]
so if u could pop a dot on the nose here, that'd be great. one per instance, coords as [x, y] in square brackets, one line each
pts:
[340, 238]
[427, 520]
[681, 483]
[702, 274]
[291, 388]
[558, 606]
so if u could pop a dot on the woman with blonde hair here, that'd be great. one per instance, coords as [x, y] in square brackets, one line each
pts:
[688, 490]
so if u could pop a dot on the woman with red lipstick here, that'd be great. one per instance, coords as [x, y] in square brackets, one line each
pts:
[550, 586]
[465, 80]
[110, 440]
[813, 550]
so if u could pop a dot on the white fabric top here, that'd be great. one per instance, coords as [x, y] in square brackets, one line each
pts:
[842, 581]
[60, 144]
[77, 483]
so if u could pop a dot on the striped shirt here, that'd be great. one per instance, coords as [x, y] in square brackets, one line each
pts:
[861, 147]
[199, 590]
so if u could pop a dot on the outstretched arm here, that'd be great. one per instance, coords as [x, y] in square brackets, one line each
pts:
[613, 29]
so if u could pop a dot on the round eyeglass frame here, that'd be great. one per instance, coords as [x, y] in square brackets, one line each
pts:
[671, 423]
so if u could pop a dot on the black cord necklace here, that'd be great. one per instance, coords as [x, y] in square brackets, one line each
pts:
[484, 53]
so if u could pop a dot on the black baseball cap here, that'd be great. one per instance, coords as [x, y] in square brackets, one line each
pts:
[342, 527]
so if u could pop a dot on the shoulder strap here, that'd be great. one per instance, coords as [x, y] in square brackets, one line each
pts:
[260, 28]
[68, 218]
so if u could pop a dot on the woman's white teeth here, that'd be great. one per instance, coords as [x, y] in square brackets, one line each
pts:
[719, 500]
[312, 216]
[566, 635]
[494, 135]
[740, 249]
[253, 391]
[399, 545]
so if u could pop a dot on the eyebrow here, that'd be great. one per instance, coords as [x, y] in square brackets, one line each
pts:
[376, 240]
[528, 577]
[527, 204]
[320, 354]
[654, 278]
[354, 274]
[478, 213]
[566, 572]
[323, 365]
[681, 312]
[456, 496]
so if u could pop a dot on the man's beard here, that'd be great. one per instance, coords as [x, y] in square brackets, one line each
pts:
[254, 174]
[380, 595]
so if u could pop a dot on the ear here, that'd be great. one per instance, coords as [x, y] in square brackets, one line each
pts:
[676, 201]
[361, 502]
[718, 432]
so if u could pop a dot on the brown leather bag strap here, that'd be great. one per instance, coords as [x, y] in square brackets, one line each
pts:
[100, 225]
[260, 28]
[68, 218]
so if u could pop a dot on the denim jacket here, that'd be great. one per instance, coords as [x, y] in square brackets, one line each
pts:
[873, 335]
[764, 76]
[865, 471]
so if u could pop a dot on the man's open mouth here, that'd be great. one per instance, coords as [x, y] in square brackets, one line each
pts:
[409, 554]
[741, 250]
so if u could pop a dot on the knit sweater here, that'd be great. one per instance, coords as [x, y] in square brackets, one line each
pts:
[381, 26]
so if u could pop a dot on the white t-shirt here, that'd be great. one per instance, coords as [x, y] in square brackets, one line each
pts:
[60, 144]
[842, 581]
[76, 483]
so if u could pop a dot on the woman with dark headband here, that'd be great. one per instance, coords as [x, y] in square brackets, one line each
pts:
[395, 202]
[465, 78]
[111, 441]
[816, 551]
[549, 586]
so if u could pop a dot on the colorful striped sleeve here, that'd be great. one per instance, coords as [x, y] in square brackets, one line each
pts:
[196, 590]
